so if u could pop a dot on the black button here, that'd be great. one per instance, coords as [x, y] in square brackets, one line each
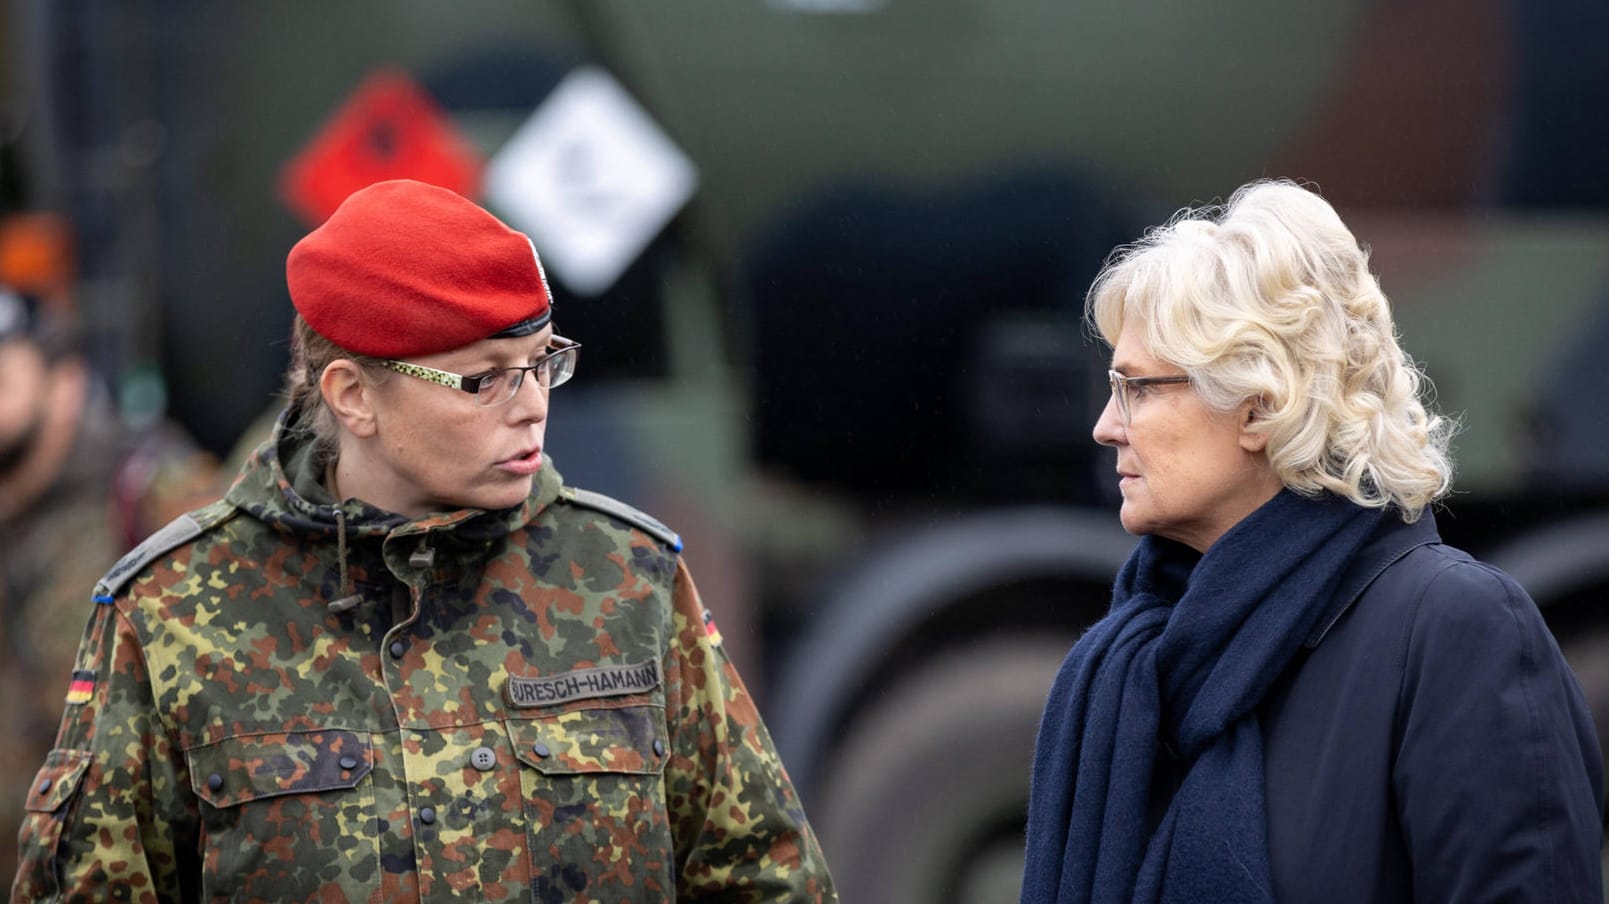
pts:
[659, 747]
[428, 815]
[44, 786]
[397, 649]
[214, 782]
[349, 763]
[541, 750]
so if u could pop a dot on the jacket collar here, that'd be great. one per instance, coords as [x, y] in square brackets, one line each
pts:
[1392, 540]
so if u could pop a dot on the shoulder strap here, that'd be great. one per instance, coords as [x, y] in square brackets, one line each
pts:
[175, 533]
[620, 511]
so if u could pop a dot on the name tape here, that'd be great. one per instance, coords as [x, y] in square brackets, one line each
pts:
[581, 684]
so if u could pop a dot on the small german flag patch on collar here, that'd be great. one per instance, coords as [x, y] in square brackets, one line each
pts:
[82, 688]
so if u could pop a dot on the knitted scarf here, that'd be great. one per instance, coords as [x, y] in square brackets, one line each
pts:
[1178, 668]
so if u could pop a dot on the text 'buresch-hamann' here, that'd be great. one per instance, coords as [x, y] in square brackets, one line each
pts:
[599, 681]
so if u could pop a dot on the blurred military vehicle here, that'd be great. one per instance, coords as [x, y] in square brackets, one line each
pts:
[851, 370]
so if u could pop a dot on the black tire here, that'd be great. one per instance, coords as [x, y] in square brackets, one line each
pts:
[926, 797]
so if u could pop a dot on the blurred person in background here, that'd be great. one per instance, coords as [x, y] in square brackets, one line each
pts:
[78, 488]
[1299, 693]
[401, 659]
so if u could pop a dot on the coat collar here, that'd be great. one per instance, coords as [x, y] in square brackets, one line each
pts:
[1391, 541]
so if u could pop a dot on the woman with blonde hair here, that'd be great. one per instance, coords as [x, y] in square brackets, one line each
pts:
[1300, 693]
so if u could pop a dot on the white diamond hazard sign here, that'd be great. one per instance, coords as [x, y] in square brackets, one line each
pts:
[591, 179]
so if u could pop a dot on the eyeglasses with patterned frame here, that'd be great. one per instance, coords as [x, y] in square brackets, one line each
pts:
[494, 387]
[1122, 386]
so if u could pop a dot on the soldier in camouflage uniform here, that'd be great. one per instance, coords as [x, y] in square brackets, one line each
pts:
[78, 488]
[401, 660]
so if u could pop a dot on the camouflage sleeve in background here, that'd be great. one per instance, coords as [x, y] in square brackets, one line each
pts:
[739, 829]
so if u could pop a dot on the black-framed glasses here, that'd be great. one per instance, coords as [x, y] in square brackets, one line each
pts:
[495, 387]
[1122, 387]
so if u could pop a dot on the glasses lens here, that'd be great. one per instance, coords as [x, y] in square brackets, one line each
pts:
[499, 386]
[559, 367]
[554, 370]
[1120, 391]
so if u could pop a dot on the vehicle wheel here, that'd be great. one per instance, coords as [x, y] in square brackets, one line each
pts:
[926, 798]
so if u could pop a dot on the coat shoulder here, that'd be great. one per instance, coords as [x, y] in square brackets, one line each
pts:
[1435, 591]
[1449, 585]
[1456, 608]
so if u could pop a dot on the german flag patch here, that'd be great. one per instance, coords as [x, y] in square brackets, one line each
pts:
[82, 688]
[710, 630]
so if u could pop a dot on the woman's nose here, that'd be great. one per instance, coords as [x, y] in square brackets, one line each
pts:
[1109, 429]
[530, 402]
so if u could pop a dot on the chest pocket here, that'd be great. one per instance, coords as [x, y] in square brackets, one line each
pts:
[593, 785]
[286, 811]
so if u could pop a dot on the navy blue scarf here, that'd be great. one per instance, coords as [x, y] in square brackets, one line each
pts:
[1178, 669]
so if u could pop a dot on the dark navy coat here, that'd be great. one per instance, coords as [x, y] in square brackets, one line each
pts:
[1430, 744]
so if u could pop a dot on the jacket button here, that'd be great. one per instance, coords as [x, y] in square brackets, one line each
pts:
[541, 750]
[44, 786]
[349, 763]
[214, 782]
[428, 815]
[483, 758]
[659, 747]
[397, 649]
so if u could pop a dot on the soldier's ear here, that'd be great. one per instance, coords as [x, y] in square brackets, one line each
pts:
[349, 396]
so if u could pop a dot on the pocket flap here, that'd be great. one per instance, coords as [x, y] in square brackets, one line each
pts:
[237, 770]
[629, 739]
[57, 779]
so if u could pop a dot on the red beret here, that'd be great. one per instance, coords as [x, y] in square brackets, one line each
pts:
[403, 268]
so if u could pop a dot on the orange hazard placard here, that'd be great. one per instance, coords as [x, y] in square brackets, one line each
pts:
[388, 129]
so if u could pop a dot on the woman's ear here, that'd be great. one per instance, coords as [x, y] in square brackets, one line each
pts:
[348, 396]
[1252, 439]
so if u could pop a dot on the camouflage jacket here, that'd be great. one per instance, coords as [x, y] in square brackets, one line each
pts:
[281, 698]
